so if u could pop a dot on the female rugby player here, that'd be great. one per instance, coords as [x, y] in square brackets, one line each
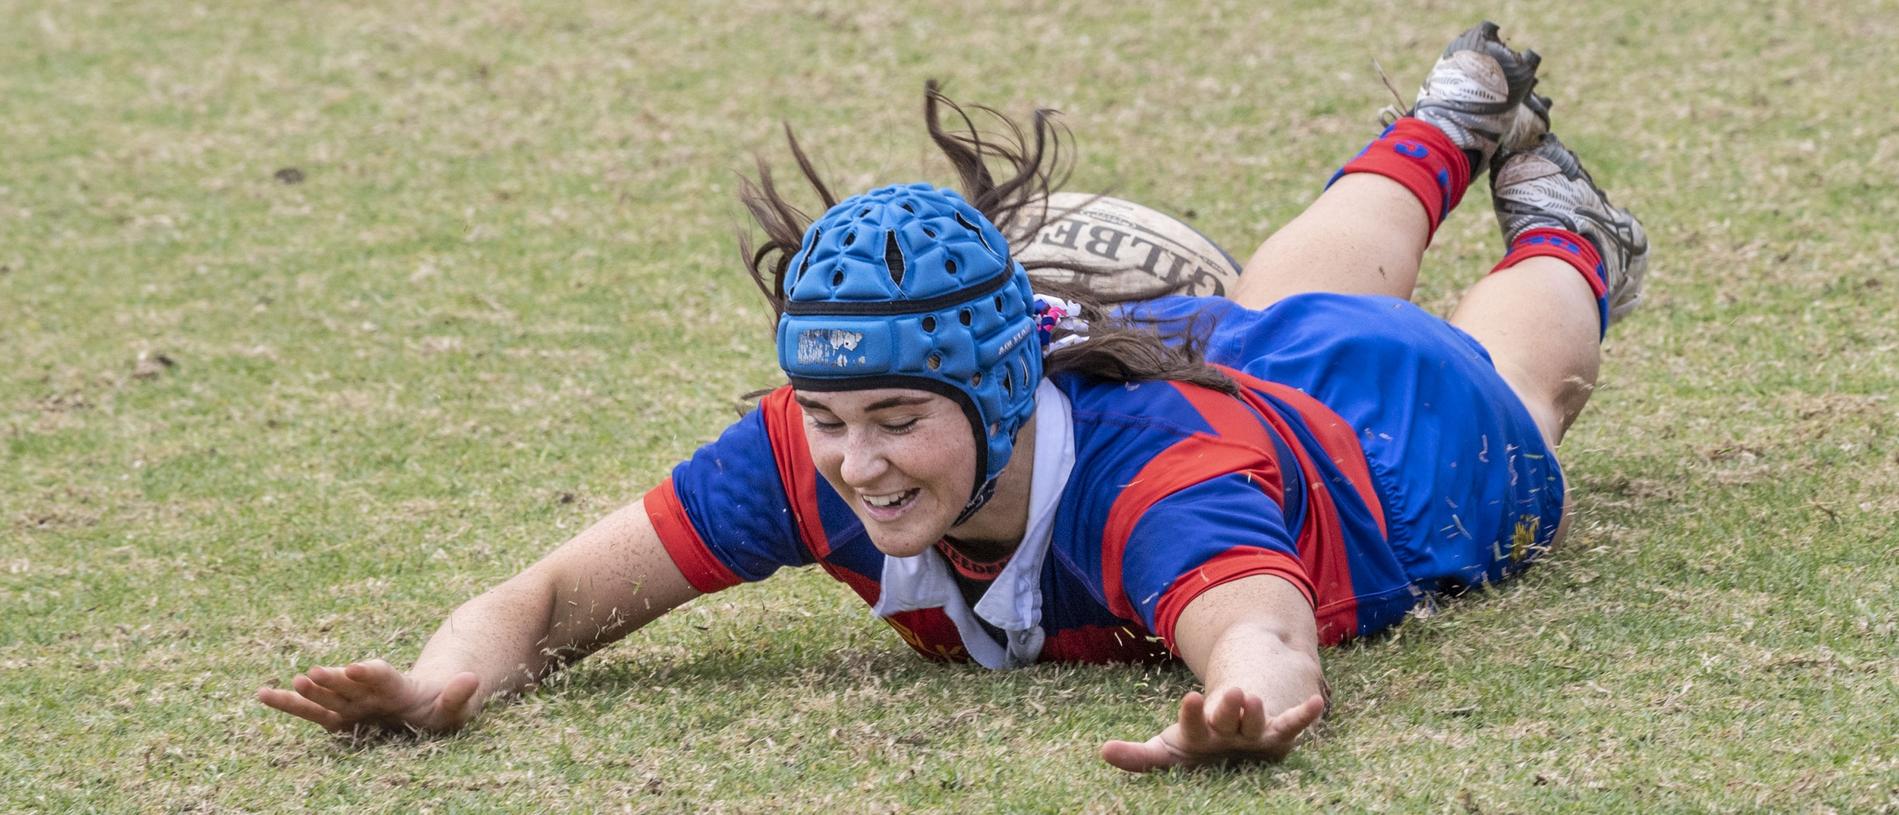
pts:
[1009, 476]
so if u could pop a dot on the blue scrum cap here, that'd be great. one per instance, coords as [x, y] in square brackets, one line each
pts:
[911, 287]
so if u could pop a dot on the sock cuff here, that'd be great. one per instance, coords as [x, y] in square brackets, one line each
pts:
[1563, 245]
[1420, 157]
[1567, 246]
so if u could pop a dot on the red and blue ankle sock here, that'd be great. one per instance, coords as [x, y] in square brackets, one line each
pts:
[1569, 247]
[1420, 157]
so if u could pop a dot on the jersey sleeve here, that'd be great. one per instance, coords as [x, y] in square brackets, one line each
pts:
[723, 515]
[1203, 536]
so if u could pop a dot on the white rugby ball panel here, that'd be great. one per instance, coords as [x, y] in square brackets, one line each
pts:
[1126, 247]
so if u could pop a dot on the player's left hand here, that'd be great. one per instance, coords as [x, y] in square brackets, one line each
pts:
[1233, 726]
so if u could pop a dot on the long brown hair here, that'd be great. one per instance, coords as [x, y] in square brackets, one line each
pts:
[1033, 165]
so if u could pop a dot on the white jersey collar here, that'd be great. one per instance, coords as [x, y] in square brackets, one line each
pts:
[1013, 602]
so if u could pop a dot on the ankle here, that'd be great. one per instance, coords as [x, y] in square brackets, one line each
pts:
[1475, 156]
[1571, 248]
[1422, 158]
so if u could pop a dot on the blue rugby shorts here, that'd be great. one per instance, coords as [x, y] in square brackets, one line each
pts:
[1471, 491]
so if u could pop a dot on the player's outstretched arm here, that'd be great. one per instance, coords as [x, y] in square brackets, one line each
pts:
[1254, 644]
[604, 583]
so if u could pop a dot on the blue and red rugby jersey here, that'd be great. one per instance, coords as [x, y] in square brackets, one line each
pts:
[1174, 489]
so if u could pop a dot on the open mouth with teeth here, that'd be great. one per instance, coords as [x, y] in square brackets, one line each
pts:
[885, 507]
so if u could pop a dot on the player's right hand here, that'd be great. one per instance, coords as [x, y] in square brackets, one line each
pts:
[373, 695]
[1231, 727]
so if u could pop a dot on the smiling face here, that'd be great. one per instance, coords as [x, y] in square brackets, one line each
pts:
[905, 460]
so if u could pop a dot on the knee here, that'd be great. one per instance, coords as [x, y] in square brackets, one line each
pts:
[1552, 405]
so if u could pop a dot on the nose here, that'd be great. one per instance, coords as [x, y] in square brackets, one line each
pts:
[864, 461]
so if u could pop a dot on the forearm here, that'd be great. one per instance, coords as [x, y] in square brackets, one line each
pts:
[592, 590]
[1265, 662]
[499, 635]
[606, 582]
[1255, 634]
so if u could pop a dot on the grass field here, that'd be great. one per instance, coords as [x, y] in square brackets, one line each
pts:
[319, 318]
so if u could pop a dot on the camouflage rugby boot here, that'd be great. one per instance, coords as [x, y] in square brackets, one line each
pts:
[1479, 94]
[1546, 186]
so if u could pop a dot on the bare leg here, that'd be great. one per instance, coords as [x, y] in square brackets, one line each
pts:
[1539, 317]
[1538, 320]
[1367, 233]
[1364, 235]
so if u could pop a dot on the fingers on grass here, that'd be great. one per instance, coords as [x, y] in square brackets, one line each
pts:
[1225, 716]
[300, 707]
[1290, 724]
[368, 671]
[317, 693]
[375, 676]
[456, 702]
[333, 680]
[1138, 757]
[1253, 723]
[361, 683]
[1193, 719]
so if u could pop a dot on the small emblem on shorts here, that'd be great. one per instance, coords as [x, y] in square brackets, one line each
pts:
[1523, 542]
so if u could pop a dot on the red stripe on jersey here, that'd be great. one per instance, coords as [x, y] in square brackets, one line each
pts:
[1322, 550]
[702, 570]
[1225, 567]
[1338, 438]
[784, 424]
[1190, 461]
[931, 632]
[1232, 420]
[1322, 542]
[1102, 643]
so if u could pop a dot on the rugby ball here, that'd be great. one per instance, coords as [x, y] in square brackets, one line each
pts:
[1126, 248]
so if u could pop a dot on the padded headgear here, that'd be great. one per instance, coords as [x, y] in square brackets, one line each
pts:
[911, 287]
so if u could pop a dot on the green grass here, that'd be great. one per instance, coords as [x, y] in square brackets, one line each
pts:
[504, 298]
